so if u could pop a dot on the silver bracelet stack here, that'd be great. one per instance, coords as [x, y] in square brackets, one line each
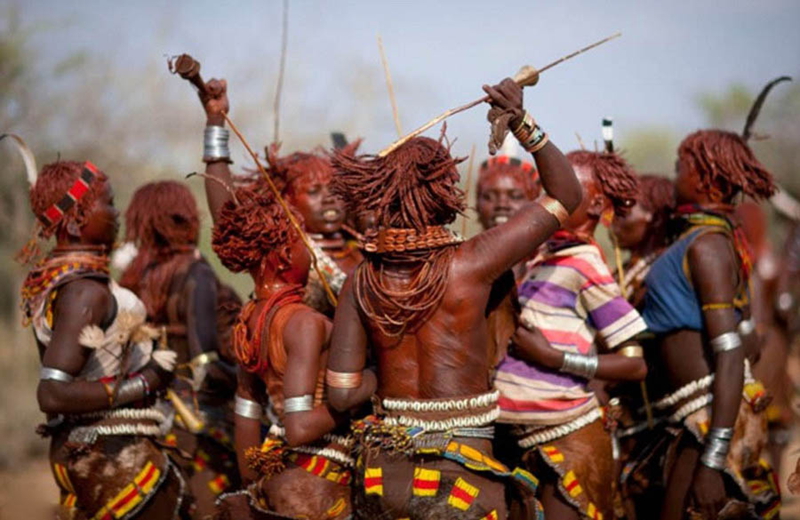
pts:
[247, 408]
[726, 342]
[580, 364]
[718, 443]
[131, 390]
[304, 403]
[215, 144]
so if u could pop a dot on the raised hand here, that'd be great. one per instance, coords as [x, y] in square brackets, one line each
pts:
[215, 101]
[507, 96]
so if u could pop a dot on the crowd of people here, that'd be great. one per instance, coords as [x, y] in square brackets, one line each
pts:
[385, 367]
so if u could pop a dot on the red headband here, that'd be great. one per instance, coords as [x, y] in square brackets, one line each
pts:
[56, 212]
[526, 167]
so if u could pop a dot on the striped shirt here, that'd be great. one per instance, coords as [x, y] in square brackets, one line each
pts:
[571, 296]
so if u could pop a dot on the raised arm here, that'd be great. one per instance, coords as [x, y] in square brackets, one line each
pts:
[215, 102]
[304, 422]
[494, 251]
[349, 385]
[714, 271]
[81, 303]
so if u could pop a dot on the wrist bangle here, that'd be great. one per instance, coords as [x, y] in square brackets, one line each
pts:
[726, 342]
[145, 384]
[537, 141]
[555, 208]
[130, 390]
[247, 408]
[215, 144]
[304, 403]
[718, 443]
[523, 131]
[580, 365]
[343, 380]
[632, 351]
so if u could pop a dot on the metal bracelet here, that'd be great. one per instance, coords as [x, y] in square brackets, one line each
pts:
[215, 143]
[555, 208]
[726, 342]
[304, 403]
[131, 390]
[716, 453]
[247, 408]
[536, 136]
[725, 434]
[632, 351]
[344, 380]
[54, 374]
[526, 126]
[746, 327]
[580, 364]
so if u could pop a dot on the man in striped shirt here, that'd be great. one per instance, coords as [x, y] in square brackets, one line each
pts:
[571, 302]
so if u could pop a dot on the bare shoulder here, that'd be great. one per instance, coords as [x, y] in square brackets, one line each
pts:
[307, 324]
[710, 252]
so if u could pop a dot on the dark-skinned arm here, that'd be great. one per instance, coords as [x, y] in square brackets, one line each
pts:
[714, 270]
[532, 347]
[497, 250]
[302, 372]
[215, 102]
[247, 431]
[79, 304]
[349, 352]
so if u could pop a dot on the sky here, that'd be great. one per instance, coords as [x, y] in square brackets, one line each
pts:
[440, 53]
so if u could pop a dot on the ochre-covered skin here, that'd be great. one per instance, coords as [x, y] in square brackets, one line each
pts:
[280, 344]
[89, 229]
[447, 354]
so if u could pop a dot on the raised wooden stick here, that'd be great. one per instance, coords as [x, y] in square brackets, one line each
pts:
[390, 87]
[189, 69]
[276, 105]
[526, 77]
[467, 189]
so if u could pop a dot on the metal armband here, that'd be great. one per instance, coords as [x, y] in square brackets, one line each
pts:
[131, 390]
[343, 380]
[726, 342]
[580, 364]
[54, 374]
[718, 444]
[304, 403]
[555, 208]
[215, 144]
[247, 408]
[632, 351]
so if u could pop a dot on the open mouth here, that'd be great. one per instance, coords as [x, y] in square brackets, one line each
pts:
[331, 215]
[500, 219]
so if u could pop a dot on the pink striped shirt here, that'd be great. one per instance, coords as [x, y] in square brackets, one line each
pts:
[571, 296]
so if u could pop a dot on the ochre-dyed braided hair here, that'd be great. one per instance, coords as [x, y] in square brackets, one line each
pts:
[724, 163]
[252, 226]
[614, 176]
[414, 186]
[53, 182]
[163, 221]
[294, 173]
[522, 172]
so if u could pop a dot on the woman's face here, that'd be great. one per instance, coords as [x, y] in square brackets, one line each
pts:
[322, 211]
[102, 222]
[499, 197]
[631, 230]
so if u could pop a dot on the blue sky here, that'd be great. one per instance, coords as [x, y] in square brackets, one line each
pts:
[441, 52]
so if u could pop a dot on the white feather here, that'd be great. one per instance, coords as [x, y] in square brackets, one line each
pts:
[166, 359]
[510, 146]
[122, 257]
[27, 157]
[92, 337]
